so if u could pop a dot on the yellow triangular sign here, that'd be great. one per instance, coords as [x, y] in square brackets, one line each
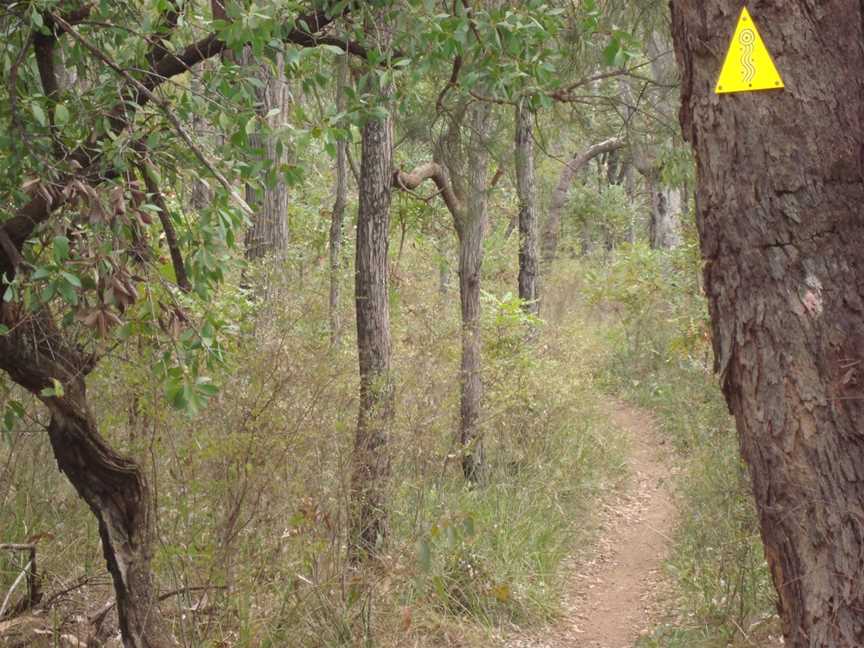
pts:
[748, 64]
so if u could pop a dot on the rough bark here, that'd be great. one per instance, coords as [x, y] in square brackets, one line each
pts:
[525, 187]
[371, 459]
[338, 216]
[463, 152]
[664, 226]
[200, 194]
[779, 199]
[552, 226]
[34, 355]
[167, 227]
[268, 235]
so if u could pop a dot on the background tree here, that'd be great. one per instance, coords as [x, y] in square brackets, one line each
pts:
[371, 459]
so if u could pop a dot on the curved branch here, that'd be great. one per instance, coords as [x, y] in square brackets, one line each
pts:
[429, 171]
[552, 226]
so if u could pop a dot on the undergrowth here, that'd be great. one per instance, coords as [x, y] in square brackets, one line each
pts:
[654, 320]
[251, 494]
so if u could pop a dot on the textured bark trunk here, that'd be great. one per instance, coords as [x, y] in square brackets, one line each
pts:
[552, 226]
[664, 227]
[34, 355]
[472, 229]
[338, 216]
[371, 460]
[200, 194]
[779, 214]
[525, 185]
[268, 235]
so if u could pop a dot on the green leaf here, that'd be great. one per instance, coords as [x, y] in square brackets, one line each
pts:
[61, 249]
[67, 292]
[4, 330]
[335, 49]
[71, 278]
[56, 390]
[611, 51]
[39, 114]
[61, 115]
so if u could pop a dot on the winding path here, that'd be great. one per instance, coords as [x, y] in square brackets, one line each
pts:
[614, 595]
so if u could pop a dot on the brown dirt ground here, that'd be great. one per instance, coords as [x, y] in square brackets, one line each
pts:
[617, 593]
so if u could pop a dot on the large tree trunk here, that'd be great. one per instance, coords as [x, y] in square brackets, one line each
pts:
[552, 226]
[34, 355]
[371, 461]
[338, 216]
[268, 235]
[525, 185]
[779, 214]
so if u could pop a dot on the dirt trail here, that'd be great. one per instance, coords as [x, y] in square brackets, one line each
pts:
[614, 595]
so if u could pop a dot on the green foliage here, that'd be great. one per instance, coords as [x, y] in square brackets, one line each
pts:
[659, 332]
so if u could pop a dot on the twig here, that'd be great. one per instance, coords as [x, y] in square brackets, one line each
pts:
[97, 617]
[12, 589]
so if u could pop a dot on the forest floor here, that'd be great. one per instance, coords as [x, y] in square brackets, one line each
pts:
[616, 592]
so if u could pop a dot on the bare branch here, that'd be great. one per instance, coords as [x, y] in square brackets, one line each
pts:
[167, 226]
[429, 171]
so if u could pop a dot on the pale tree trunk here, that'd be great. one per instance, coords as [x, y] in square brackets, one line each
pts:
[525, 186]
[371, 459]
[200, 195]
[460, 174]
[779, 216]
[268, 234]
[666, 209]
[471, 228]
[34, 355]
[338, 216]
[552, 226]
[664, 227]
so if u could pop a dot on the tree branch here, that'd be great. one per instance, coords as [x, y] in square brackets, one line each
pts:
[429, 171]
[167, 226]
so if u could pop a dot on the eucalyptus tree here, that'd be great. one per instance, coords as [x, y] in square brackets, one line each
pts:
[268, 234]
[779, 215]
[337, 217]
[526, 188]
[85, 166]
[371, 458]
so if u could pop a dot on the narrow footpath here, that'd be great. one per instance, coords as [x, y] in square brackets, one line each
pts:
[615, 594]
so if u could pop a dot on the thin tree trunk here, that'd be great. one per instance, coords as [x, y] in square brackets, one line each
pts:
[525, 185]
[552, 226]
[268, 235]
[35, 355]
[472, 229]
[779, 216]
[200, 194]
[336, 222]
[664, 228]
[371, 460]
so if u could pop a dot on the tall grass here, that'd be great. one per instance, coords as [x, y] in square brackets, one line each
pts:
[654, 321]
[251, 495]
